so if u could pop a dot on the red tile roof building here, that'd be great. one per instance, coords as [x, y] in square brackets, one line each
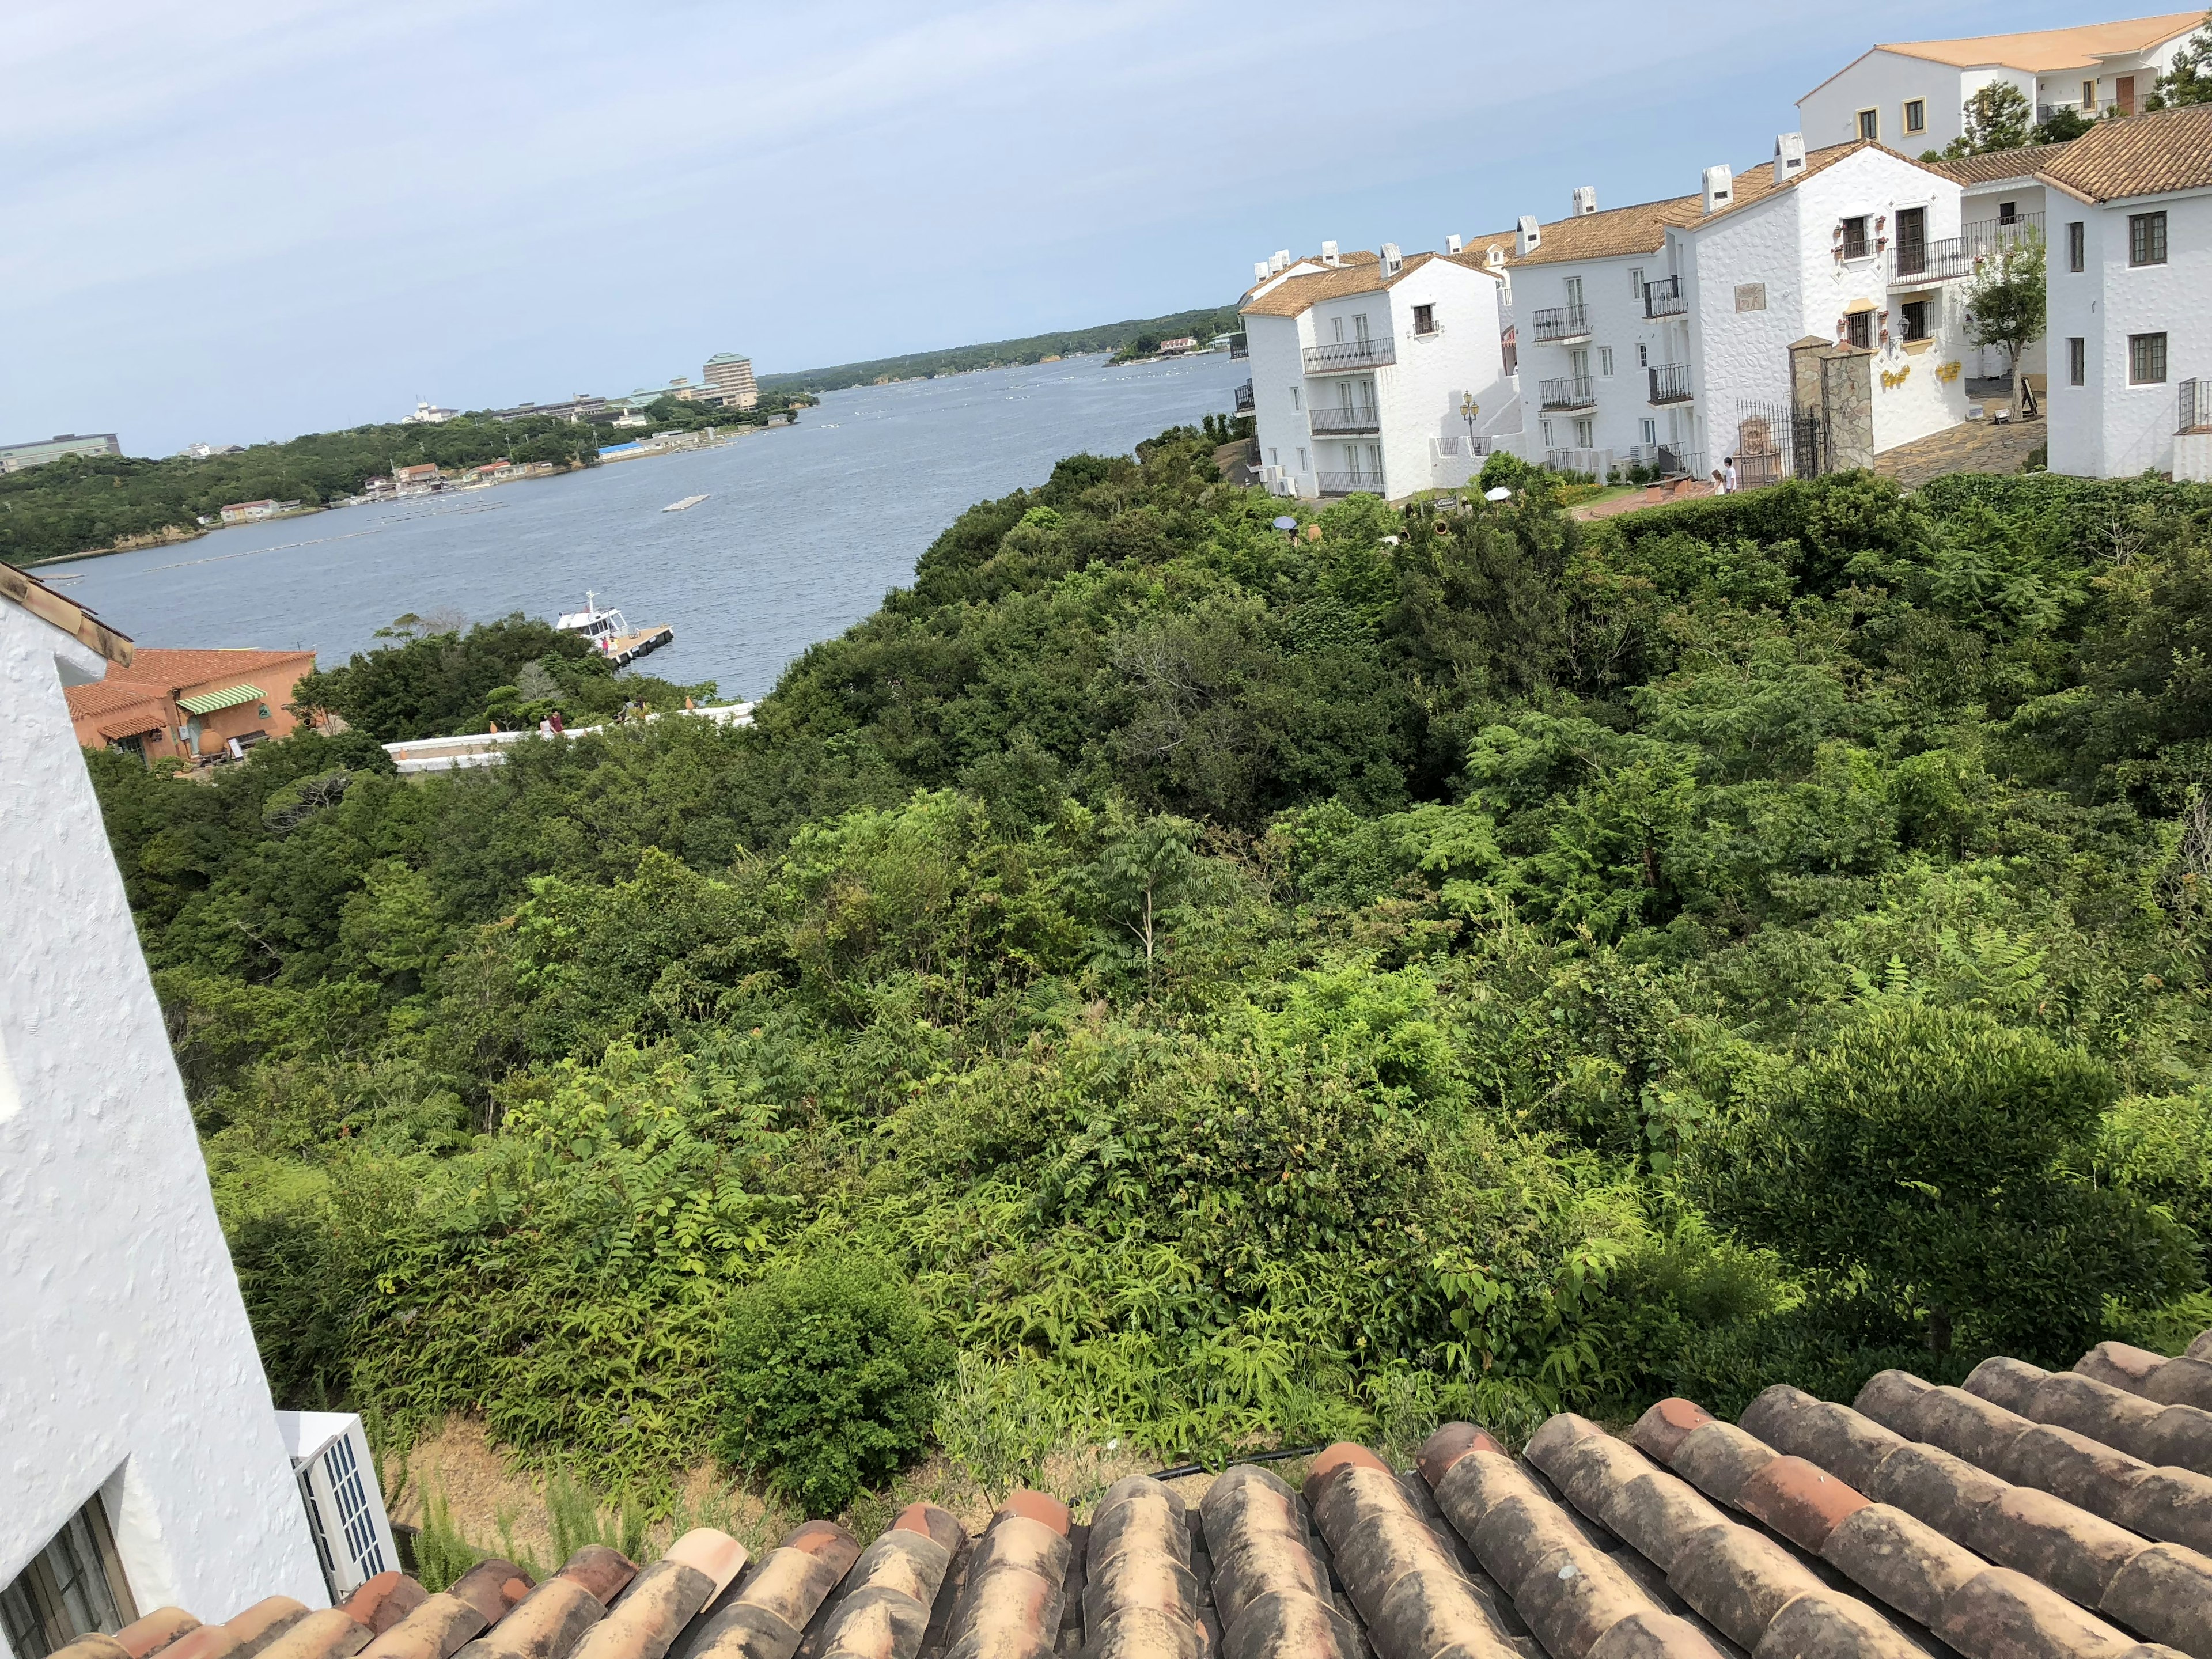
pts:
[191, 704]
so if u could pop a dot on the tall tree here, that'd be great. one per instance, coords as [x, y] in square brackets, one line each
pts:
[1998, 117]
[2005, 301]
[2189, 80]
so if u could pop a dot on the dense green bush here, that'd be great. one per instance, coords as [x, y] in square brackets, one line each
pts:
[829, 1370]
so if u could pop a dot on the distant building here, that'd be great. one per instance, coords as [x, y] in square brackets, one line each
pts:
[188, 704]
[1180, 344]
[582, 407]
[37, 451]
[198, 452]
[414, 478]
[246, 512]
[729, 380]
[1911, 95]
[429, 414]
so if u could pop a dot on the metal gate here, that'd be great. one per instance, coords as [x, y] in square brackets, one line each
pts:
[1774, 442]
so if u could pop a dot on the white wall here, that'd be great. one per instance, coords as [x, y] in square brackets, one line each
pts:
[1419, 394]
[1277, 372]
[127, 1366]
[1615, 308]
[1983, 205]
[2108, 428]
[1884, 81]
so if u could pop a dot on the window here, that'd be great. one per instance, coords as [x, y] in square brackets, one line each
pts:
[2145, 360]
[1275, 457]
[1751, 296]
[2089, 96]
[2077, 360]
[2147, 239]
[1855, 238]
[1916, 318]
[1301, 457]
[1605, 360]
[1870, 125]
[2007, 213]
[1650, 433]
[1294, 398]
[1575, 293]
[1585, 435]
[1337, 324]
[2074, 250]
[1424, 319]
[1547, 433]
[1858, 329]
[1916, 115]
[70, 1588]
[1642, 356]
[1636, 282]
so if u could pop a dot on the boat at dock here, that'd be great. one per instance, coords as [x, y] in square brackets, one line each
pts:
[610, 634]
[683, 506]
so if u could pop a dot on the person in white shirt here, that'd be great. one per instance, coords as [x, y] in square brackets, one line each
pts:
[1734, 483]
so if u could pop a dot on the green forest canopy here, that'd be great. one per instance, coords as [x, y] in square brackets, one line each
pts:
[1244, 985]
[1204, 324]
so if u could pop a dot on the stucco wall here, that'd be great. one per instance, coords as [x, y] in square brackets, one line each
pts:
[1883, 80]
[1280, 427]
[1615, 307]
[1983, 205]
[128, 1367]
[1419, 394]
[2109, 428]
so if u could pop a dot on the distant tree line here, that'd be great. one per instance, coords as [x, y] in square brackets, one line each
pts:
[1001, 354]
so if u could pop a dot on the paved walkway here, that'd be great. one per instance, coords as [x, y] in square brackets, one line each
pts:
[1969, 446]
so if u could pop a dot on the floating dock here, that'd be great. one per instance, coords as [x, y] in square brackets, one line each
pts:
[683, 506]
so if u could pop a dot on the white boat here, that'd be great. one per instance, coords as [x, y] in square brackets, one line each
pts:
[683, 506]
[610, 634]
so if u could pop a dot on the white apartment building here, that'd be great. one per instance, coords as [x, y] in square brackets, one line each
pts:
[2001, 200]
[1681, 332]
[2130, 297]
[1378, 373]
[143, 1464]
[1912, 95]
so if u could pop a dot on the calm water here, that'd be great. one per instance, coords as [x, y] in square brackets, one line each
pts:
[803, 532]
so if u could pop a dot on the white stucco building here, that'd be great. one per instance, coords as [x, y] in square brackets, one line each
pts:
[1911, 95]
[2001, 200]
[1680, 332]
[1377, 372]
[2130, 297]
[140, 1459]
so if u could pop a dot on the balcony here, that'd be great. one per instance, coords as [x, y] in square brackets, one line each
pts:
[1950, 258]
[1366, 481]
[1561, 323]
[2196, 415]
[1569, 392]
[1344, 417]
[1664, 298]
[1670, 383]
[1345, 355]
[1244, 398]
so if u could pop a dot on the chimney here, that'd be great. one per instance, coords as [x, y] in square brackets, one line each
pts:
[1720, 188]
[1452, 245]
[1259, 271]
[1328, 253]
[1529, 237]
[1585, 199]
[1280, 260]
[1495, 257]
[1392, 259]
[1788, 156]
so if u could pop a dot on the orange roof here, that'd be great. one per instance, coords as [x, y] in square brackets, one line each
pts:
[1293, 296]
[2040, 51]
[2145, 155]
[106, 696]
[177, 668]
[1992, 166]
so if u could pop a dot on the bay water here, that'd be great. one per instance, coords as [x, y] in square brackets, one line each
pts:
[802, 531]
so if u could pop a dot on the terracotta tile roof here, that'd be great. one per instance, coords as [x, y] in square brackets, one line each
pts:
[2042, 51]
[1293, 295]
[1996, 164]
[72, 618]
[1354, 257]
[2143, 155]
[2028, 1515]
[177, 668]
[1754, 184]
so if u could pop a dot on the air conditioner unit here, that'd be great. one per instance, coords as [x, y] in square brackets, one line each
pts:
[345, 1507]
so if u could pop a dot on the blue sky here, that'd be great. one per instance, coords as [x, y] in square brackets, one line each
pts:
[238, 221]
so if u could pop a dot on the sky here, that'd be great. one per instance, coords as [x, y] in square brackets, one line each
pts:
[240, 219]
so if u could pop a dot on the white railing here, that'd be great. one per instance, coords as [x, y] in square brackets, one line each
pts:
[416, 754]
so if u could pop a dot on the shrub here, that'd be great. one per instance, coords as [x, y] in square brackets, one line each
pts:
[829, 1369]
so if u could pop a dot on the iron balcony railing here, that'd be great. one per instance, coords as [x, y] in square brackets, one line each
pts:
[1561, 323]
[1664, 298]
[1244, 398]
[1569, 392]
[1344, 417]
[1949, 257]
[2196, 406]
[1670, 383]
[1345, 355]
[1239, 347]
[1366, 480]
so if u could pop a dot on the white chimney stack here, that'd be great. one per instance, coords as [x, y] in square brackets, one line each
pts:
[1281, 261]
[1788, 156]
[1495, 256]
[1328, 253]
[1392, 259]
[1259, 271]
[1720, 188]
[1452, 245]
[1585, 199]
[1529, 237]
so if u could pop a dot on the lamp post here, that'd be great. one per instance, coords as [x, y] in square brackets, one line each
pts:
[1468, 409]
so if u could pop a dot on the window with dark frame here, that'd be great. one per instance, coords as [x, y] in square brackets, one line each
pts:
[1916, 318]
[2145, 360]
[1855, 238]
[2076, 253]
[1916, 115]
[1870, 125]
[1424, 319]
[2077, 359]
[2147, 239]
[1858, 329]
[72, 1588]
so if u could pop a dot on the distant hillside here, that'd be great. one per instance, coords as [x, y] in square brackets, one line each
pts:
[999, 354]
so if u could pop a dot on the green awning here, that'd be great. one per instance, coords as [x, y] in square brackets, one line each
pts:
[208, 702]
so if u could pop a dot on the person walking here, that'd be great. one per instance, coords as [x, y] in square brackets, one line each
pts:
[1720, 482]
[1734, 484]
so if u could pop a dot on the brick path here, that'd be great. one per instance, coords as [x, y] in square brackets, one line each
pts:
[1969, 447]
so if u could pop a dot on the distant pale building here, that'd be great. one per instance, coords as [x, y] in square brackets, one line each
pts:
[729, 379]
[201, 451]
[1911, 95]
[1179, 346]
[37, 451]
[429, 414]
[247, 512]
[413, 479]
